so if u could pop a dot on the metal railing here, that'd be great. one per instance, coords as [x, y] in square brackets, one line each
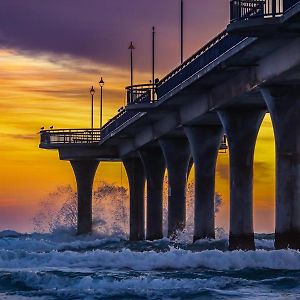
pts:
[207, 54]
[120, 119]
[141, 93]
[247, 9]
[69, 136]
[244, 9]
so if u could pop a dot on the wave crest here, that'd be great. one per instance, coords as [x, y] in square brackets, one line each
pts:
[174, 259]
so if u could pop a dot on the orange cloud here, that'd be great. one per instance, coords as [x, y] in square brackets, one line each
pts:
[39, 92]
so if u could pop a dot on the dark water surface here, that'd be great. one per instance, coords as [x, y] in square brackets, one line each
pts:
[61, 266]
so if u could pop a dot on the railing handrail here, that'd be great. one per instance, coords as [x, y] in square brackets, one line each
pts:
[247, 9]
[73, 130]
[141, 93]
[54, 137]
[110, 121]
[205, 48]
[137, 86]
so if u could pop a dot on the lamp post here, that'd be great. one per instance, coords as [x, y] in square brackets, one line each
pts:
[131, 48]
[181, 31]
[153, 62]
[92, 92]
[101, 83]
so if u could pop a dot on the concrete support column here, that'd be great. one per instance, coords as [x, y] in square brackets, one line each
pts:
[84, 171]
[136, 178]
[177, 157]
[205, 144]
[154, 168]
[241, 126]
[284, 106]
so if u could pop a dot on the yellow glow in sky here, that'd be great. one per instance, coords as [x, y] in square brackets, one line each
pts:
[38, 92]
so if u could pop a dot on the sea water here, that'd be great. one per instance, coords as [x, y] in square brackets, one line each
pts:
[64, 266]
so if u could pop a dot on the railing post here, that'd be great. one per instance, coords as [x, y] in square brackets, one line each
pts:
[274, 9]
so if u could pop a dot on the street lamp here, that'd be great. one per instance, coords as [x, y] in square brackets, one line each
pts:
[92, 92]
[181, 31]
[101, 83]
[153, 62]
[131, 48]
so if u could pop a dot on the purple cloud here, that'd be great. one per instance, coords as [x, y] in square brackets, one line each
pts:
[101, 30]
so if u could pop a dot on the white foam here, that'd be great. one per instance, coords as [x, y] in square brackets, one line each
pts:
[59, 241]
[264, 244]
[146, 284]
[177, 259]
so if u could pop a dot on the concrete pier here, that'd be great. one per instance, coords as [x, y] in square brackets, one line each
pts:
[224, 78]
[136, 178]
[84, 171]
[241, 126]
[177, 157]
[204, 143]
[284, 106]
[154, 167]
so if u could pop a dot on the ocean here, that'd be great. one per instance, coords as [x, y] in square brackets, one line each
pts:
[61, 265]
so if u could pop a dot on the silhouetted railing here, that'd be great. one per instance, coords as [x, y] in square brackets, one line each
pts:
[120, 119]
[69, 136]
[207, 54]
[246, 9]
[142, 93]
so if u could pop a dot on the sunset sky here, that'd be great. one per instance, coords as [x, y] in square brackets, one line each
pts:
[52, 52]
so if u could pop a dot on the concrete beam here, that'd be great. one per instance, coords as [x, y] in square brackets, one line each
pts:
[79, 152]
[127, 147]
[194, 109]
[168, 123]
[274, 66]
[150, 133]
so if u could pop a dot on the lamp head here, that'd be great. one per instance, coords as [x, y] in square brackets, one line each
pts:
[92, 91]
[101, 82]
[131, 47]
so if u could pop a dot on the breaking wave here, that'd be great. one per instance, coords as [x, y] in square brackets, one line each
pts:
[63, 266]
[105, 265]
[174, 259]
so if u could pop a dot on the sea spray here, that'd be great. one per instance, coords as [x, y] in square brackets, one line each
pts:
[186, 235]
[58, 211]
